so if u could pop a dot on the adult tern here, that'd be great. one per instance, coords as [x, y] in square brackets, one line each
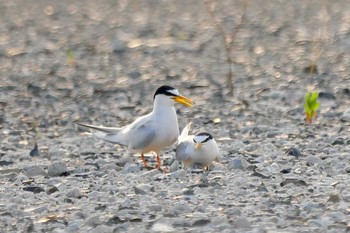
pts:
[151, 132]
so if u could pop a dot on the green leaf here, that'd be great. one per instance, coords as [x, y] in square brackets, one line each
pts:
[311, 105]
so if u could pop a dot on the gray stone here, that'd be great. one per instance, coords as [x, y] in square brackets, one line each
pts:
[34, 170]
[162, 227]
[73, 193]
[234, 212]
[179, 174]
[242, 222]
[181, 207]
[346, 116]
[130, 168]
[174, 166]
[238, 163]
[103, 229]
[347, 169]
[143, 189]
[155, 207]
[57, 168]
[110, 167]
[74, 226]
[312, 160]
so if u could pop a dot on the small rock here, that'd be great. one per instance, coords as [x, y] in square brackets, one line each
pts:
[74, 226]
[338, 141]
[126, 204]
[286, 170]
[174, 166]
[297, 182]
[33, 189]
[242, 222]
[134, 74]
[118, 46]
[143, 189]
[334, 198]
[35, 152]
[347, 169]
[238, 163]
[155, 208]
[34, 170]
[110, 167]
[6, 163]
[326, 95]
[201, 222]
[219, 220]
[294, 152]
[93, 221]
[130, 168]
[73, 193]
[312, 160]
[234, 212]
[346, 116]
[162, 227]
[188, 192]
[57, 168]
[51, 190]
[179, 174]
[102, 229]
[181, 207]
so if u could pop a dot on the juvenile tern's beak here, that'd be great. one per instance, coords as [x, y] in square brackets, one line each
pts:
[183, 100]
[198, 146]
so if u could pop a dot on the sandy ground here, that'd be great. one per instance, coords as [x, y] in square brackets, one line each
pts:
[101, 61]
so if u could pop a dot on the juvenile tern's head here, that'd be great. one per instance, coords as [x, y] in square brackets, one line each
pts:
[202, 139]
[166, 95]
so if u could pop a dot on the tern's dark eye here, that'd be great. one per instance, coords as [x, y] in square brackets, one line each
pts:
[194, 140]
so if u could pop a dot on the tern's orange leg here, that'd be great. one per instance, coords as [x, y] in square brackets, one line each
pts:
[143, 160]
[158, 160]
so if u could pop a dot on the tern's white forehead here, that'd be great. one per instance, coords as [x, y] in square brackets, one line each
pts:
[174, 92]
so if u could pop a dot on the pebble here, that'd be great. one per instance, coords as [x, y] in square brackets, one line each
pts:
[242, 222]
[181, 207]
[73, 193]
[238, 164]
[294, 152]
[102, 229]
[130, 168]
[174, 166]
[34, 170]
[57, 168]
[346, 116]
[347, 169]
[162, 227]
[143, 189]
[179, 174]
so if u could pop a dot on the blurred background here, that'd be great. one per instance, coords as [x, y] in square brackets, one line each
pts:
[100, 61]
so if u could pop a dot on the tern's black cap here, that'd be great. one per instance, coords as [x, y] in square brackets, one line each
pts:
[204, 134]
[165, 91]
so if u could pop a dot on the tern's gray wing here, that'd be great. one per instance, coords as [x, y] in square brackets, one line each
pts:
[141, 137]
[184, 150]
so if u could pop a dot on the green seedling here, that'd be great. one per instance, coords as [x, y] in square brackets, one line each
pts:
[311, 105]
[71, 57]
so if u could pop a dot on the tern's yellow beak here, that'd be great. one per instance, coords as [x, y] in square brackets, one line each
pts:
[183, 100]
[198, 146]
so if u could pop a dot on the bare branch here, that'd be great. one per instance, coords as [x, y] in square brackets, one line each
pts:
[228, 38]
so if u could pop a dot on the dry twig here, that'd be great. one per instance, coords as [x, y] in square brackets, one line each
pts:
[228, 38]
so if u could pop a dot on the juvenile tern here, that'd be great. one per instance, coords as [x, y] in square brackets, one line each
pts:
[151, 132]
[196, 149]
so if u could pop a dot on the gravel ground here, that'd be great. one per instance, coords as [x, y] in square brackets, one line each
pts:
[101, 61]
